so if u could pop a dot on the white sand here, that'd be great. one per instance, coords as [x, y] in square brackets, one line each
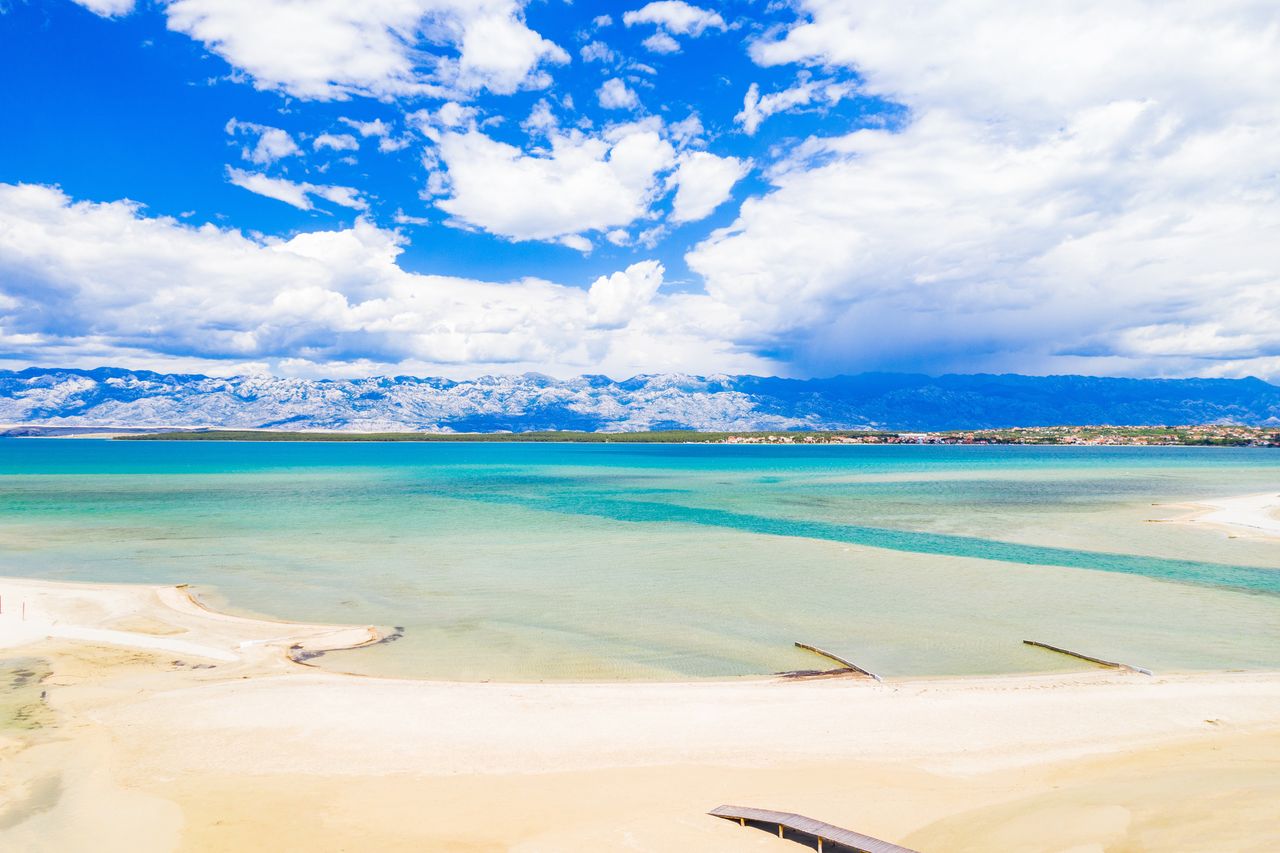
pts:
[1257, 515]
[258, 752]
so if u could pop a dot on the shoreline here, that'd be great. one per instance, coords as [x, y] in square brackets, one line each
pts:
[170, 749]
[298, 643]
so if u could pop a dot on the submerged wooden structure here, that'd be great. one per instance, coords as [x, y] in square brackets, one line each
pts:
[800, 824]
[1099, 661]
[845, 665]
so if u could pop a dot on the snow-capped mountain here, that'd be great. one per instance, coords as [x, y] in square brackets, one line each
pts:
[114, 397]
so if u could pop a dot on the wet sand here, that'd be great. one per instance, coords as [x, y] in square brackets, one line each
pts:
[165, 726]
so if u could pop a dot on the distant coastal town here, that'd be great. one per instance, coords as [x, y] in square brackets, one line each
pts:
[1204, 435]
[1211, 435]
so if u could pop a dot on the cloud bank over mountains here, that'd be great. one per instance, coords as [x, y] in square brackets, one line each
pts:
[89, 283]
[1058, 187]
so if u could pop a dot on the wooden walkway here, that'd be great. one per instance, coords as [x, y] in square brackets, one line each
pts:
[808, 826]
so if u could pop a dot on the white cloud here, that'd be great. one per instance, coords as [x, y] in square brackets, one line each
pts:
[279, 189]
[448, 116]
[755, 108]
[597, 51]
[389, 144]
[345, 196]
[615, 299]
[272, 143]
[331, 49]
[577, 242]
[377, 127]
[583, 183]
[614, 94]
[703, 183]
[1084, 187]
[541, 119]
[687, 131]
[87, 284]
[1035, 63]
[676, 16]
[108, 8]
[499, 52]
[402, 218]
[294, 193]
[661, 42]
[336, 142]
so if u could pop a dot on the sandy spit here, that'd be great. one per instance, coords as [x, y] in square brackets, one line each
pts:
[1250, 515]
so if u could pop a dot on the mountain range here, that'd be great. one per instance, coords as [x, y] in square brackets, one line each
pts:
[51, 397]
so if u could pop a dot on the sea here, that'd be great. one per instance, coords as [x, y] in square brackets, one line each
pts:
[659, 562]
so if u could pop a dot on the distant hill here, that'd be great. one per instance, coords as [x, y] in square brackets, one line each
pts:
[114, 397]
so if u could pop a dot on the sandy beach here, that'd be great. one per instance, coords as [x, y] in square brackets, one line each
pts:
[1247, 515]
[166, 726]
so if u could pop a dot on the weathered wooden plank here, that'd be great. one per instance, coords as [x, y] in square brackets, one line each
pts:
[1090, 658]
[809, 826]
[847, 664]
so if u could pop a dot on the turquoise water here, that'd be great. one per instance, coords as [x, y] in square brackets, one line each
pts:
[534, 561]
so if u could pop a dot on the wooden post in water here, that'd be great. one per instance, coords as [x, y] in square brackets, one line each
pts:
[845, 663]
[1099, 661]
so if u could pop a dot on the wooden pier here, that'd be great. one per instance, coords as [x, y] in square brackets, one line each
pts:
[1099, 661]
[807, 826]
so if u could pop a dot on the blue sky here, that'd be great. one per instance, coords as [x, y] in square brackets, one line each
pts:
[493, 186]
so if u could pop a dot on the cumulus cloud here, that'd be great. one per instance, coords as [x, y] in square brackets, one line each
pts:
[329, 49]
[1085, 187]
[336, 142]
[757, 108]
[584, 183]
[448, 116]
[269, 143]
[91, 283]
[541, 119]
[388, 144]
[687, 131]
[295, 193]
[377, 127]
[108, 8]
[597, 51]
[614, 300]
[703, 183]
[661, 42]
[676, 16]
[614, 94]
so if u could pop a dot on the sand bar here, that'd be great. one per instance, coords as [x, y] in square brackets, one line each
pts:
[172, 727]
[1255, 515]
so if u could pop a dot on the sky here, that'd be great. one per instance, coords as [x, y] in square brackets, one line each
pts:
[778, 187]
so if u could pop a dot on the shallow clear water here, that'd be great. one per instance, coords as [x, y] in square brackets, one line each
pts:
[532, 561]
